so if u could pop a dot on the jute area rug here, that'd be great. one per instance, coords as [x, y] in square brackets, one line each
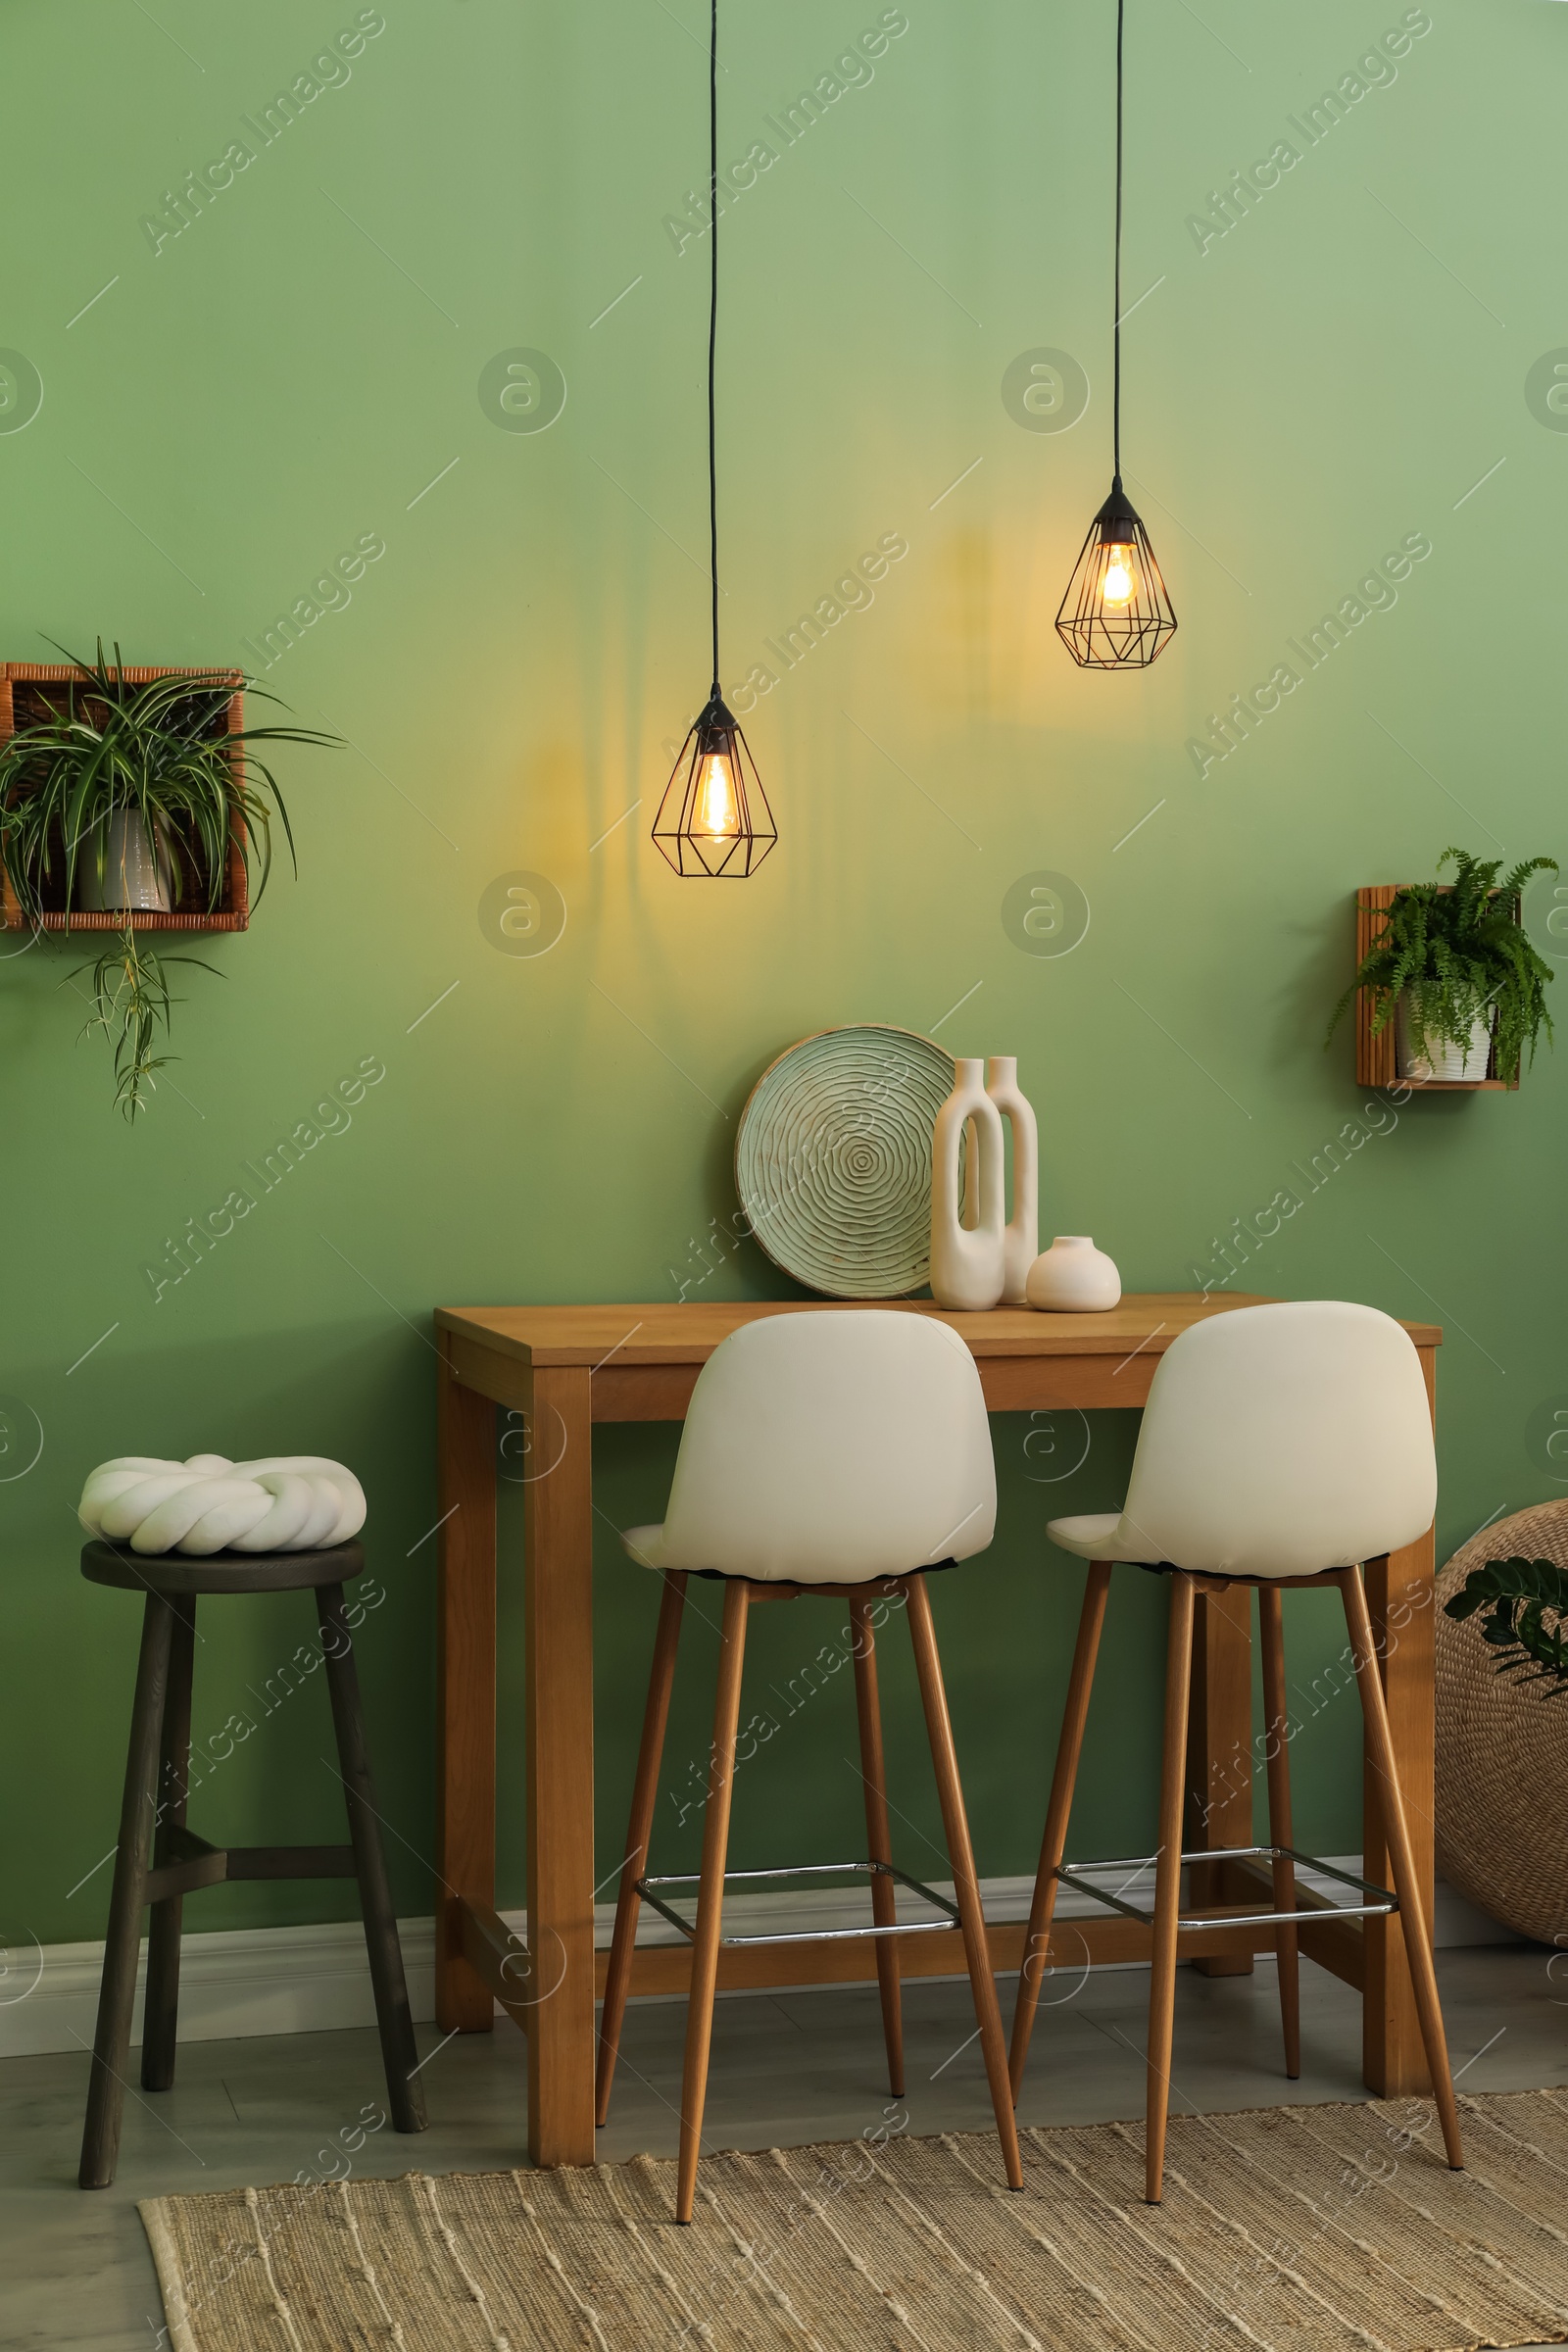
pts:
[1299, 2228]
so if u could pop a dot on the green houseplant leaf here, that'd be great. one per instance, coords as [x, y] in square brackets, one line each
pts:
[130, 1003]
[157, 752]
[1519, 1594]
[1458, 954]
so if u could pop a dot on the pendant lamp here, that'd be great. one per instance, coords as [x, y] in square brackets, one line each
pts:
[714, 820]
[1117, 614]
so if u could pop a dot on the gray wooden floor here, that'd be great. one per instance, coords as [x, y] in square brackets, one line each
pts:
[786, 2070]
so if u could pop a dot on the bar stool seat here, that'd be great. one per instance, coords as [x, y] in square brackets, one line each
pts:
[159, 1859]
[1090, 1536]
[1281, 1447]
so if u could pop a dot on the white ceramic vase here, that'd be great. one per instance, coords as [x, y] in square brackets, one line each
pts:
[1020, 1240]
[968, 1264]
[1073, 1278]
[136, 872]
[1436, 1058]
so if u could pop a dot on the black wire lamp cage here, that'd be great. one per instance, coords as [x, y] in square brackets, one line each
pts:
[1117, 612]
[714, 820]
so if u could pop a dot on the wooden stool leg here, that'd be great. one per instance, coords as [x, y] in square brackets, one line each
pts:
[117, 1998]
[400, 2053]
[1276, 1716]
[1054, 1845]
[160, 2011]
[711, 1893]
[879, 1840]
[966, 1885]
[1407, 1883]
[1168, 1882]
[644, 1797]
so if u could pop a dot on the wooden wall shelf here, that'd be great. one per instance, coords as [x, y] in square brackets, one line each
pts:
[1376, 1063]
[28, 690]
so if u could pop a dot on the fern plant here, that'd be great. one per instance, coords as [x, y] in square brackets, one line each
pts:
[1520, 1595]
[1459, 954]
[156, 751]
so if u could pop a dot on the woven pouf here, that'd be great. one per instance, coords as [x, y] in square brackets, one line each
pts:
[1502, 1749]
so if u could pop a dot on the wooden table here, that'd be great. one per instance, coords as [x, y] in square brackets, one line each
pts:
[566, 1367]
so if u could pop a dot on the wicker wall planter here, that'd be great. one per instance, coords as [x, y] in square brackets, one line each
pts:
[1502, 1750]
[1375, 1059]
[28, 690]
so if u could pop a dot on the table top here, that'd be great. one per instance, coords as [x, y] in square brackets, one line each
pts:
[667, 1332]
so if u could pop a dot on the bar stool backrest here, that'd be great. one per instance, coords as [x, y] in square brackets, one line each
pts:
[832, 1447]
[1284, 1441]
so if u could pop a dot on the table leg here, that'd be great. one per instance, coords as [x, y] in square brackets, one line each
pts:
[465, 1692]
[1400, 1601]
[557, 1606]
[1220, 1748]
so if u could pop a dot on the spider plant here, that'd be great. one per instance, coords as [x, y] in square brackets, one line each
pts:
[156, 749]
[131, 998]
[1460, 955]
[157, 753]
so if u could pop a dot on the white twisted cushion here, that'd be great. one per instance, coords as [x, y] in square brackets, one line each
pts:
[286, 1502]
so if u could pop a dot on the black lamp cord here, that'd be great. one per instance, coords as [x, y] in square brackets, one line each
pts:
[712, 319]
[1116, 328]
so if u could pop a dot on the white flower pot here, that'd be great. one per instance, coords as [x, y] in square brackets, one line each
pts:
[1073, 1278]
[1435, 1059]
[119, 867]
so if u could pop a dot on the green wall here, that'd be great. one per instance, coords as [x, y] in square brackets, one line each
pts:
[298, 371]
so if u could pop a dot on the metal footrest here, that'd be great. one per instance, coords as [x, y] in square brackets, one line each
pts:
[1074, 1874]
[808, 1870]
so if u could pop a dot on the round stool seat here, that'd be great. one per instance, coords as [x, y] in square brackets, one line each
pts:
[220, 1571]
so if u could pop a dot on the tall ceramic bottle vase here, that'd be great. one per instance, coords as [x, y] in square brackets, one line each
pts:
[967, 1265]
[1020, 1240]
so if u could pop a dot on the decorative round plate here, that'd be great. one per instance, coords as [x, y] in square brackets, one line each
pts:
[833, 1159]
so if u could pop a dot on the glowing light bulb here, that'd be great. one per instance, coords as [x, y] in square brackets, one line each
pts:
[1116, 586]
[718, 811]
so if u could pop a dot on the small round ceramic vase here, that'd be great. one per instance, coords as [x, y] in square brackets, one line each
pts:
[1073, 1278]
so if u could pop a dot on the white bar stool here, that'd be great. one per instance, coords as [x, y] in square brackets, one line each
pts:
[822, 1450]
[1281, 1446]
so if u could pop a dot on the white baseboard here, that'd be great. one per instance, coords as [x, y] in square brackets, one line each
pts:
[312, 1979]
[231, 1984]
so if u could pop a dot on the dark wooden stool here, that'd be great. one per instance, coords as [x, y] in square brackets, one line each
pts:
[159, 1861]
